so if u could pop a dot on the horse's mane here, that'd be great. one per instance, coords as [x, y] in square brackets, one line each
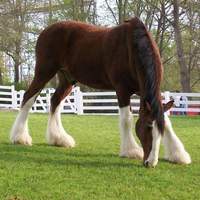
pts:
[152, 64]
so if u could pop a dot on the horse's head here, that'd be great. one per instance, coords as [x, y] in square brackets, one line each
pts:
[144, 128]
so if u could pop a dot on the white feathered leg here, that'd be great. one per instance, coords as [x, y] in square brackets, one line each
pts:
[19, 133]
[56, 134]
[174, 149]
[153, 156]
[129, 147]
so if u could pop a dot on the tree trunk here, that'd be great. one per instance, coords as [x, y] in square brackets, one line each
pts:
[17, 64]
[1, 79]
[17, 57]
[178, 39]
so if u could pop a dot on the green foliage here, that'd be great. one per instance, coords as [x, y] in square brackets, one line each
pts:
[20, 86]
[93, 170]
[22, 21]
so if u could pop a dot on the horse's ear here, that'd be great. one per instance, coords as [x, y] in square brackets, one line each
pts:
[167, 106]
[148, 107]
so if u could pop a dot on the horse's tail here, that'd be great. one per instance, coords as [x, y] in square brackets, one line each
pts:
[152, 64]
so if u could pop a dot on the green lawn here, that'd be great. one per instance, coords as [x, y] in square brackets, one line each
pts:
[93, 170]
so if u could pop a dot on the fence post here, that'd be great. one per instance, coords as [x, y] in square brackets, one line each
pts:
[48, 97]
[78, 99]
[14, 97]
[167, 99]
[21, 96]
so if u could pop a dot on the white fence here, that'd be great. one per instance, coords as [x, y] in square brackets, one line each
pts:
[89, 102]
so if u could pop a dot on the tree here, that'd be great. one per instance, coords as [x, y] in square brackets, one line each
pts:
[173, 24]
[192, 43]
[180, 50]
[79, 10]
[11, 33]
[15, 19]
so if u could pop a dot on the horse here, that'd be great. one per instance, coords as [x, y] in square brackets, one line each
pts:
[125, 59]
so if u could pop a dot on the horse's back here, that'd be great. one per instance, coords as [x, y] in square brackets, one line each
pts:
[69, 28]
[64, 39]
[91, 54]
[77, 47]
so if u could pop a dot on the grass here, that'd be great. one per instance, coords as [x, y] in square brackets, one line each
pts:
[93, 170]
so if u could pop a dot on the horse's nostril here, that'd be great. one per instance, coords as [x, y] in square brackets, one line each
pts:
[146, 164]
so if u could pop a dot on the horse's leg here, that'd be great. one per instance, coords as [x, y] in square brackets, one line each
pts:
[55, 133]
[174, 149]
[19, 133]
[129, 148]
[152, 160]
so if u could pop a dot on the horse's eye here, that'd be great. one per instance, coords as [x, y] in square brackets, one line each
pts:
[149, 127]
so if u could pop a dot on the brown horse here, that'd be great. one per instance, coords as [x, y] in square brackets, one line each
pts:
[125, 59]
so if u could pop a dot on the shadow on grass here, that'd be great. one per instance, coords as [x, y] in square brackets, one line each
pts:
[43, 153]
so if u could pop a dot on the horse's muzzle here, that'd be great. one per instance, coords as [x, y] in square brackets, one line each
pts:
[146, 164]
